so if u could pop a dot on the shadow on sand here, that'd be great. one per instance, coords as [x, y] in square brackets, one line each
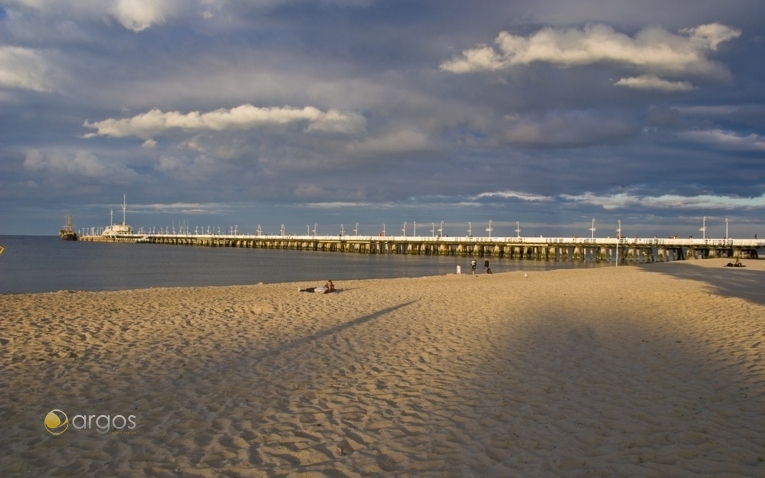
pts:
[726, 281]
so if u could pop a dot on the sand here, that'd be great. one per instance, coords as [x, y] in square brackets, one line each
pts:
[650, 370]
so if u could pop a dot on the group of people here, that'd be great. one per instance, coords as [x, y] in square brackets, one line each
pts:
[325, 289]
[486, 268]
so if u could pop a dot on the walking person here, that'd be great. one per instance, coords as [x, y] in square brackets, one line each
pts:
[473, 263]
[486, 266]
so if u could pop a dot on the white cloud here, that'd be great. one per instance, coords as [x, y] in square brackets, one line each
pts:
[25, 69]
[241, 117]
[668, 201]
[652, 49]
[149, 144]
[653, 82]
[135, 15]
[726, 139]
[515, 195]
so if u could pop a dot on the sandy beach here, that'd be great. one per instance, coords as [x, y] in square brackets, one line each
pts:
[652, 370]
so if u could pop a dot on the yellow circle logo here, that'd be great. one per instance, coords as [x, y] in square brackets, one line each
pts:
[56, 422]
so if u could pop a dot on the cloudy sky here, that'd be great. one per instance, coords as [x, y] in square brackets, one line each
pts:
[328, 112]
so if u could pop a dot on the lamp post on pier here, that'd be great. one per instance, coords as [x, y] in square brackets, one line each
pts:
[592, 229]
[489, 229]
[518, 229]
[726, 229]
[703, 227]
[618, 238]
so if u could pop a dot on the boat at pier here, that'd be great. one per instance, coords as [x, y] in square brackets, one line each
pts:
[118, 229]
[67, 230]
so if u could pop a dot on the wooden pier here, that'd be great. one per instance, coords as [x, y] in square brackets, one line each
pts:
[527, 248]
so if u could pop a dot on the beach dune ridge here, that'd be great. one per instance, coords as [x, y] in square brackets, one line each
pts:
[632, 371]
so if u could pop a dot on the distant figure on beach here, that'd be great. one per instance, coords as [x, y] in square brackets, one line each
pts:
[473, 263]
[486, 265]
[735, 264]
[325, 289]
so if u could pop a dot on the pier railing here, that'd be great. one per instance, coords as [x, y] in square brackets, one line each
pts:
[539, 248]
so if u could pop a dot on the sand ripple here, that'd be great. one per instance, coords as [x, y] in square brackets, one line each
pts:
[653, 371]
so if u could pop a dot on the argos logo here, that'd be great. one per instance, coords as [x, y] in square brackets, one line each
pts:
[57, 422]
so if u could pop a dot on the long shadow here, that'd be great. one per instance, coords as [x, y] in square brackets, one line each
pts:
[258, 357]
[727, 281]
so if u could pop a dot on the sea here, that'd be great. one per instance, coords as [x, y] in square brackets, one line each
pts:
[48, 264]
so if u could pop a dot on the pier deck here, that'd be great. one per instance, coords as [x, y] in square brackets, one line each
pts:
[637, 250]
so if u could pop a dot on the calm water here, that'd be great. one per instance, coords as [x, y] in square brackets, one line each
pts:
[48, 264]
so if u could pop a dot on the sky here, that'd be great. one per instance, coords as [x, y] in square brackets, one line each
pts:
[538, 115]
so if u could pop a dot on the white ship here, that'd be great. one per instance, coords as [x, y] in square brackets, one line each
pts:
[118, 229]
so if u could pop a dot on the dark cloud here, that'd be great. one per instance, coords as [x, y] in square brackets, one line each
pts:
[344, 111]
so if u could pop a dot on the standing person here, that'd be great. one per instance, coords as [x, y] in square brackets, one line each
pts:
[486, 265]
[473, 263]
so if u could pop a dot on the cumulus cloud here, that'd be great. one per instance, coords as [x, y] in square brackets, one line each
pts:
[241, 117]
[653, 82]
[135, 15]
[23, 68]
[651, 50]
[726, 139]
[667, 201]
[76, 163]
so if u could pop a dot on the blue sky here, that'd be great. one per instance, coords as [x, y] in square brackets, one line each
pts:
[329, 112]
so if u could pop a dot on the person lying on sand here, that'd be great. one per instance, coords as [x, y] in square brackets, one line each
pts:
[325, 289]
[735, 264]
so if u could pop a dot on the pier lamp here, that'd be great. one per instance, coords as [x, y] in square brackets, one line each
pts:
[618, 238]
